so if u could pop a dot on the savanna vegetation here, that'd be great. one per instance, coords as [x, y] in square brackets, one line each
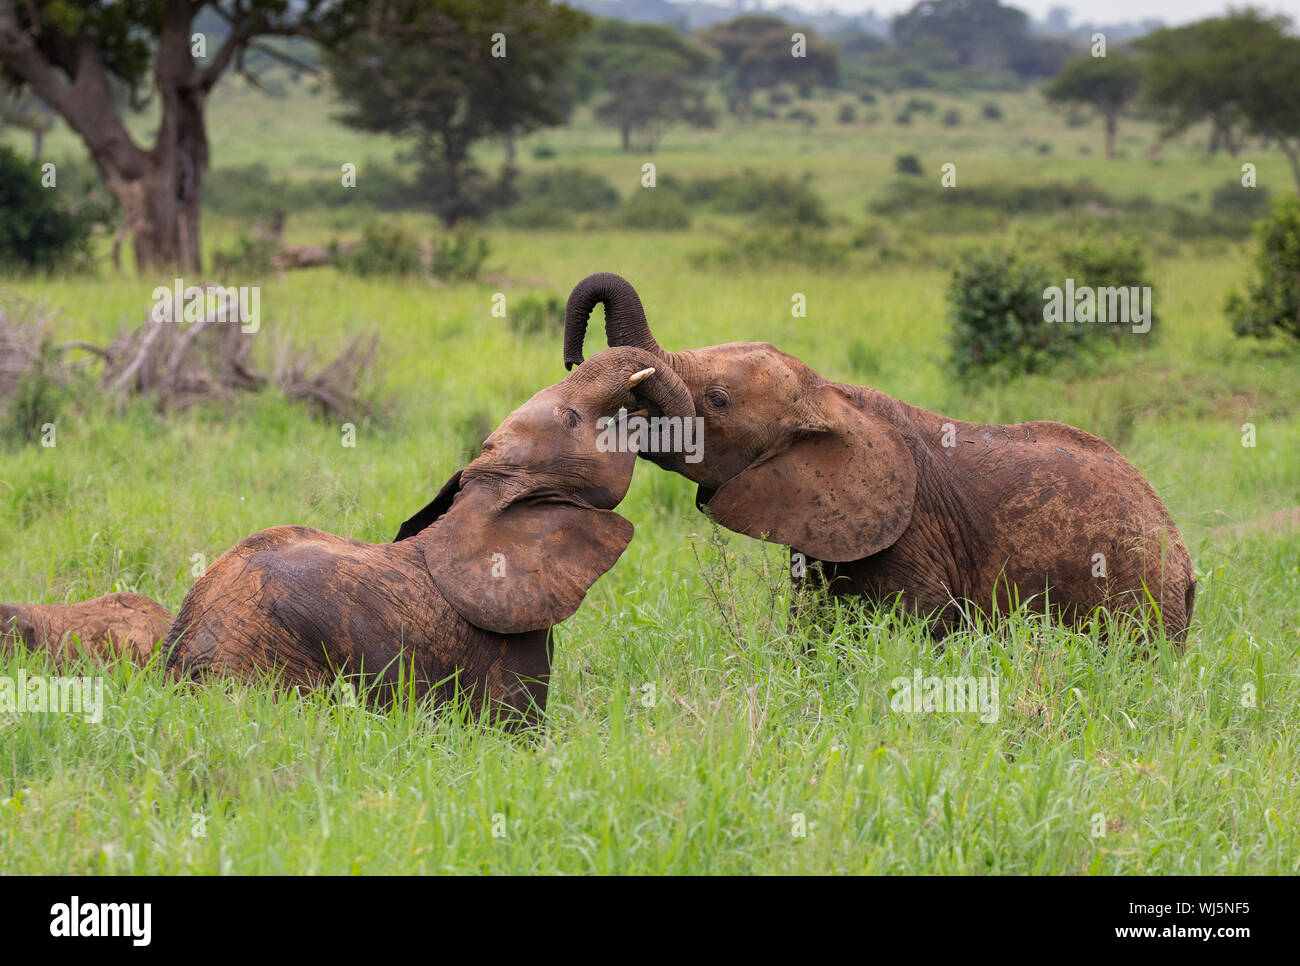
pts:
[691, 728]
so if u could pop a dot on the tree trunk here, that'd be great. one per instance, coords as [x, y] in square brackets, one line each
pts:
[1112, 122]
[626, 131]
[158, 189]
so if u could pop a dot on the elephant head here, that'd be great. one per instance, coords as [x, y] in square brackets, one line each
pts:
[536, 507]
[786, 455]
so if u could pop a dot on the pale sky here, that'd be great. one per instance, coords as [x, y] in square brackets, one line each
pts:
[1096, 11]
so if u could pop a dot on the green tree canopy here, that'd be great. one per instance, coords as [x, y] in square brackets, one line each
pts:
[759, 52]
[451, 73]
[651, 75]
[1106, 84]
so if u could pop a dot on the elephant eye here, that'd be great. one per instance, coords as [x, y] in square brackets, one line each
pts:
[571, 418]
[717, 398]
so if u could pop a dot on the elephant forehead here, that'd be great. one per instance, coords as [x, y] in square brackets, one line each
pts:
[754, 366]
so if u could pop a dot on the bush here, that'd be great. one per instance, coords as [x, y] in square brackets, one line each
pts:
[460, 258]
[569, 189]
[907, 164]
[952, 118]
[1235, 200]
[919, 105]
[803, 116]
[384, 250]
[907, 197]
[903, 118]
[36, 230]
[37, 399]
[1108, 263]
[996, 305]
[792, 246]
[537, 213]
[1272, 299]
[867, 97]
[779, 98]
[543, 151]
[848, 114]
[535, 315]
[991, 111]
[654, 209]
[249, 258]
[776, 200]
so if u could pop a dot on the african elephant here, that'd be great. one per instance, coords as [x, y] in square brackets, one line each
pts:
[466, 596]
[108, 627]
[895, 500]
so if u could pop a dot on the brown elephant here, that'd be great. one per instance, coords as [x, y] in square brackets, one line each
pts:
[466, 596]
[895, 500]
[109, 627]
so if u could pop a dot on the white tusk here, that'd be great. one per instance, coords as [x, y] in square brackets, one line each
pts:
[637, 377]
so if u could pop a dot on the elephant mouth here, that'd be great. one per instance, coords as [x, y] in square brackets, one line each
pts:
[703, 497]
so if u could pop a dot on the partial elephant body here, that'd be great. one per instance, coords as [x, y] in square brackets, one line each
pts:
[314, 606]
[466, 598]
[1025, 513]
[107, 628]
[895, 500]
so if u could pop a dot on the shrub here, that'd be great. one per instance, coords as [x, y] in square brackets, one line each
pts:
[792, 246]
[903, 118]
[952, 118]
[36, 230]
[543, 151]
[38, 398]
[779, 98]
[1108, 263]
[654, 209]
[776, 200]
[535, 315]
[991, 111]
[1235, 200]
[919, 105]
[569, 189]
[803, 116]
[248, 258]
[867, 97]
[848, 114]
[907, 164]
[996, 305]
[460, 258]
[537, 213]
[384, 250]
[1272, 299]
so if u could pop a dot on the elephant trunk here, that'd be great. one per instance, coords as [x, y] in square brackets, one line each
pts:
[622, 369]
[625, 321]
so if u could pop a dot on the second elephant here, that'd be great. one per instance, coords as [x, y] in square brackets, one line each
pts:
[894, 500]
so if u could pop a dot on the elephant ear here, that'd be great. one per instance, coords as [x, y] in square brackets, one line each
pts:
[439, 505]
[521, 565]
[843, 489]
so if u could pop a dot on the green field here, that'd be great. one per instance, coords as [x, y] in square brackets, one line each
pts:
[689, 730]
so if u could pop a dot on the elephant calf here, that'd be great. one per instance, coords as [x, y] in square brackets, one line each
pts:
[466, 597]
[109, 627]
[894, 500]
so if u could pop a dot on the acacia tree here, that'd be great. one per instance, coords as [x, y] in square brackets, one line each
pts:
[1240, 72]
[1107, 84]
[757, 52]
[70, 55]
[450, 73]
[651, 74]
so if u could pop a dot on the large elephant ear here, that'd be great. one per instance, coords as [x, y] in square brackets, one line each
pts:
[439, 505]
[841, 490]
[522, 565]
